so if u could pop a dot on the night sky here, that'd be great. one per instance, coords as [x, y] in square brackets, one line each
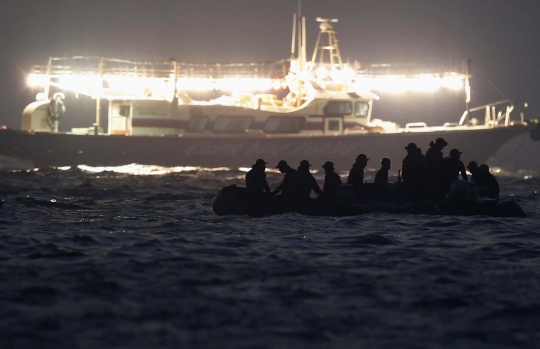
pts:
[499, 36]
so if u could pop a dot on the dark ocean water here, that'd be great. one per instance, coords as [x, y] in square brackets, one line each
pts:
[117, 260]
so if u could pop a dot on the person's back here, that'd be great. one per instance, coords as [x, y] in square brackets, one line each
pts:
[407, 169]
[256, 183]
[331, 178]
[356, 176]
[413, 166]
[434, 155]
[488, 180]
[452, 167]
[434, 169]
[434, 158]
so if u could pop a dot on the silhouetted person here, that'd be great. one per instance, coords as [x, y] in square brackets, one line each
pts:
[473, 169]
[304, 183]
[413, 171]
[434, 155]
[421, 158]
[434, 167]
[452, 167]
[331, 178]
[356, 175]
[486, 179]
[285, 187]
[256, 183]
[381, 179]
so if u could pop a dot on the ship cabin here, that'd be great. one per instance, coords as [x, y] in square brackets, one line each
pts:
[327, 113]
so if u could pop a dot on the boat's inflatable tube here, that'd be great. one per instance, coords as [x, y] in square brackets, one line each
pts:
[231, 200]
[509, 208]
[234, 200]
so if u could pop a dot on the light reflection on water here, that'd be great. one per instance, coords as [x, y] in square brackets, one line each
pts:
[154, 170]
[144, 170]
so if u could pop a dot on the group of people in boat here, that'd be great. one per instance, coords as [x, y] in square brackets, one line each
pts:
[423, 176]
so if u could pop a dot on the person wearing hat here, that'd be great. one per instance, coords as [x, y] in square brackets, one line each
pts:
[434, 167]
[256, 183]
[356, 175]
[452, 167]
[331, 178]
[285, 186]
[303, 183]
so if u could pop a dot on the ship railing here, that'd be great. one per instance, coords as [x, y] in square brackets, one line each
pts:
[494, 115]
[99, 66]
[416, 127]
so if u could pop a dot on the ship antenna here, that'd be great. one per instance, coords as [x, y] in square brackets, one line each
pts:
[293, 45]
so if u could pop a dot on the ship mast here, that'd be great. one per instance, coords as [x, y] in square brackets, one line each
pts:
[326, 27]
[466, 64]
[299, 40]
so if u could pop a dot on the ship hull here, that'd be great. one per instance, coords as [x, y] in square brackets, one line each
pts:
[50, 149]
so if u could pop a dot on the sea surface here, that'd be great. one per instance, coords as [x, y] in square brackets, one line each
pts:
[134, 257]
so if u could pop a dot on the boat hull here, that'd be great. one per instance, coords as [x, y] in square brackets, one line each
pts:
[50, 149]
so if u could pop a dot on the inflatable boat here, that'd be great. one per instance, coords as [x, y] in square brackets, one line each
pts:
[462, 201]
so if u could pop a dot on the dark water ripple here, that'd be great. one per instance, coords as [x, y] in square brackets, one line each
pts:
[111, 260]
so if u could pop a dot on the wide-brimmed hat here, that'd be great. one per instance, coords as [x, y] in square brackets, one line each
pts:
[260, 162]
[282, 163]
[441, 141]
[305, 163]
[362, 157]
[455, 152]
[329, 165]
[411, 146]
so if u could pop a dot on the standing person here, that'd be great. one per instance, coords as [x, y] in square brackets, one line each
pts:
[381, 179]
[285, 186]
[331, 178]
[256, 183]
[412, 172]
[434, 167]
[356, 175]
[303, 183]
[408, 167]
[452, 167]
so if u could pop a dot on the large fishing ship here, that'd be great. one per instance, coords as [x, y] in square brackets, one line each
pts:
[317, 109]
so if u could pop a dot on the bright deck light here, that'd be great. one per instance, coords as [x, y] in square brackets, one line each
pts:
[399, 83]
[36, 80]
